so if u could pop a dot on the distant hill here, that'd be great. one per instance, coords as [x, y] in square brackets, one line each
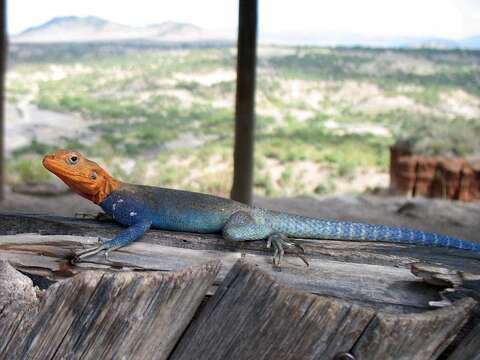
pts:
[91, 28]
[344, 39]
[95, 29]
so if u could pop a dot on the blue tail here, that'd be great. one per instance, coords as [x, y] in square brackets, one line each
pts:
[306, 227]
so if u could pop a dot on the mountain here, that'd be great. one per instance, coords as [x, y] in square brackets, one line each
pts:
[345, 39]
[91, 28]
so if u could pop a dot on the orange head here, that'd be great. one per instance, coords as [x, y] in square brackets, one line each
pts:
[83, 176]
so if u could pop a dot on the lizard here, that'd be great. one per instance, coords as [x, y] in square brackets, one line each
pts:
[141, 207]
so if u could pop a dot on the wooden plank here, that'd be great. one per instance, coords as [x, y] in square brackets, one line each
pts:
[253, 317]
[113, 315]
[420, 336]
[243, 159]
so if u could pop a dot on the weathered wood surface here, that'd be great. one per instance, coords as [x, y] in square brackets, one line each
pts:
[469, 347]
[18, 303]
[423, 336]
[143, 315]
[373, 274]
[251, 316]
[103, 315]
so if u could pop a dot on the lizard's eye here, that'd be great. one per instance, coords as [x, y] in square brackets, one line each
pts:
[73, 159]
[93, 175]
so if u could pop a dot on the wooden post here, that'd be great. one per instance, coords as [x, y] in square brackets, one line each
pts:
[245, 102]
[3, 66]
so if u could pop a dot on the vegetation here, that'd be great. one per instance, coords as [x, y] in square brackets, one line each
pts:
[325, 117]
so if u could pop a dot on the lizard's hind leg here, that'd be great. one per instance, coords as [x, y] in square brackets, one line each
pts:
[242, 226]
[278, 241]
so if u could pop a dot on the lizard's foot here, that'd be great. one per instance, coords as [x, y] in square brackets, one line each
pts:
[90, 251]
[79, 256]
[95, 250]
[278, 242]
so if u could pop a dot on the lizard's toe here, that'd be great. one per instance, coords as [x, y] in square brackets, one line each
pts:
[79, 256]
[278, 242]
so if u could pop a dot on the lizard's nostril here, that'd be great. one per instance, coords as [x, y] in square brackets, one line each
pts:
[48, 157]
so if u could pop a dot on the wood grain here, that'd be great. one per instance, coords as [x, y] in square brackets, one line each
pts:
[420, 336]
[253, 317]
[18, 303]
[469, 347]
[130, 315]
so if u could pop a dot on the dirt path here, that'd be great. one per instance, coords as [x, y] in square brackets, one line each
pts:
[26, 122]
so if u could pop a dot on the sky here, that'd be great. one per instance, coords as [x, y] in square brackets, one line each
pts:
[454, 19]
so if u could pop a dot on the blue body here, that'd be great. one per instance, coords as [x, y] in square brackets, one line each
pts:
[142, 207]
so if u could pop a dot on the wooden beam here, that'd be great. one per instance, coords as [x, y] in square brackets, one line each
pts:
[3, 67]
[245, 102]
[365, 273]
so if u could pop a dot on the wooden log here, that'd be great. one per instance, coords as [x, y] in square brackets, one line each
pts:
[406, 174]
[420, 336]
[373, 274]
[468, 184]
[434, 176]
[425, 173]
[447, 180]
[474, 162]
[111, 316]
[253, 317]
[469, 347]
[18, 303]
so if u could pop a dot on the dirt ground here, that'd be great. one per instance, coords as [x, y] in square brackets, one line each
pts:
[450, 217]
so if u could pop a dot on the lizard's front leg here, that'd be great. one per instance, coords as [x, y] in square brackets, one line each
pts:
[132, 233]
[243, 226]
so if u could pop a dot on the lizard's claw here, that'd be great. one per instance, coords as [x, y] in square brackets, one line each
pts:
[278, 242]
[79, 256]
[90, 251]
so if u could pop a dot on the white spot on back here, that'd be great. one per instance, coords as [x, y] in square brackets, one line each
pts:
[133, 213]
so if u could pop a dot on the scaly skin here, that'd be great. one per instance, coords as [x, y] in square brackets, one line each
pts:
[141, 207]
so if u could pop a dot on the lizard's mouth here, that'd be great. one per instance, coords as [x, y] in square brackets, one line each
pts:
[76, 181]
[52, 165]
